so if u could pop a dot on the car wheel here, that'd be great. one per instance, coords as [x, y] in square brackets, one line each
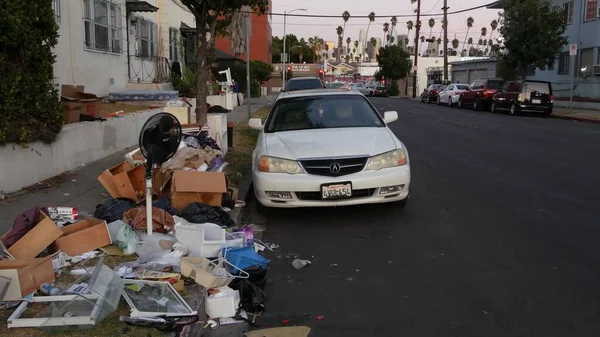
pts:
[450, 101]
[475, 104]
[460, 103]
[493, 107]
[513, 109]
[262, 209]
[548, 113]
[428, 100]
[402, 203]
[438, 101]
[370, 93]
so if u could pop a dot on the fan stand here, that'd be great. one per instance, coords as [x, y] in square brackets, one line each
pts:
[149, 193]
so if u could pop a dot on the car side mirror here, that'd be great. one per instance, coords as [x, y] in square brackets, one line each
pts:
[255, 123]
[282, 90]
[390, 116]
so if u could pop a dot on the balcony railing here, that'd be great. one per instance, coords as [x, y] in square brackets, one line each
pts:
[154, 69]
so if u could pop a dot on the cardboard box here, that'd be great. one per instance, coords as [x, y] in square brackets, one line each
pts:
[36, 240]
[26, 276]
[82, 237]
[192, 186]
[76, 102]
[126, 181]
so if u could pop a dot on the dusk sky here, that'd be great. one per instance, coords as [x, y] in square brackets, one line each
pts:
[325, 27]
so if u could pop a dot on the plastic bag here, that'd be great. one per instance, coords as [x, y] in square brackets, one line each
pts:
[202, 213]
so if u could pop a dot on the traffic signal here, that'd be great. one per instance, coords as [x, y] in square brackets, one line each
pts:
[289, 68]
[320, 72]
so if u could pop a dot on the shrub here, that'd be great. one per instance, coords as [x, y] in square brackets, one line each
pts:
[394, 90]
[30, 108]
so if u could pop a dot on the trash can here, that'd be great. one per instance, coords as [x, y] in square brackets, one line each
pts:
[230, 126]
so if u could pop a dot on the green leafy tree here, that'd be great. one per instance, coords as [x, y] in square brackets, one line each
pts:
[30, 109]
[525, 48]
[394, 62]
[213, 18]
[260, 71]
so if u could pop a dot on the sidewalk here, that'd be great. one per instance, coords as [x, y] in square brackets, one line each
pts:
[240, 113]
[582, 115]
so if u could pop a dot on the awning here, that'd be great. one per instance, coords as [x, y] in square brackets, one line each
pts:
[139, 6]
[186, 30]
[223, 56]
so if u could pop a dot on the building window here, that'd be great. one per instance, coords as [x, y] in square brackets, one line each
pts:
[591, 10]
[102, 22]
[586, 61]
[174, 44]
[568, 11]
[56, 8]
[564, 63]
[147, 38]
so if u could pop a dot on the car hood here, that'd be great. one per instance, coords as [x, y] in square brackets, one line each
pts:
[318, 143]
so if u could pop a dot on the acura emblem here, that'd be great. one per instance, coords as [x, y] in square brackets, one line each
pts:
[334, 168]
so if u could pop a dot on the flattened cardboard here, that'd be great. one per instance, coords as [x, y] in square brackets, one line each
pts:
[36, 240]
[192, 186]
[82, 237]
[26, 276]
[76, 102]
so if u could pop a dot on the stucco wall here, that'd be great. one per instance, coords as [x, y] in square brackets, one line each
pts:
[77, 144]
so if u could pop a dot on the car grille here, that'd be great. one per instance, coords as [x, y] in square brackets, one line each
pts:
[314, 196]
[322, 167]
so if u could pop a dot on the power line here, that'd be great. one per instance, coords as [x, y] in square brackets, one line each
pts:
[324, 16]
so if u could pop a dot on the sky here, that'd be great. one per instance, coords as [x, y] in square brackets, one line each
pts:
[384, 9]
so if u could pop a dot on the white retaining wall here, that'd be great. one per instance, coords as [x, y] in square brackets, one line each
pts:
[76, 145]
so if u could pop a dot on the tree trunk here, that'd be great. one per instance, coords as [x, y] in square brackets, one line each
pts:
[201, 74]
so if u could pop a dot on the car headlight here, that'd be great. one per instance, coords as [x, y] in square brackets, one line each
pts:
[278, 165]
[389, 159]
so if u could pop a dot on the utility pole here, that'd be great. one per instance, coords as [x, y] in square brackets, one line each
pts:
[284, 58]
[418, 29]
[445, 23]
[248, 63]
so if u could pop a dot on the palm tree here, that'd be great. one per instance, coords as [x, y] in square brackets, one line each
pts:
[299, 48]
[394, 22]
[431, 24]
[371, 20]
[340, 44]
[470, 43]
[347, 58]
[494, 26]
[455, 43]
[470, 22]
[345, 17]
[326, 50]
[339, 30]
[483, 34]
[409, 26]
[315, 44]
[374, 44]
[348, 40]
[386, 28]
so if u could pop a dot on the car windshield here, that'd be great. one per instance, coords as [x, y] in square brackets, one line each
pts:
[540, 87]
[322, 111]
[304, 84]
[495, 84]
[461, 87]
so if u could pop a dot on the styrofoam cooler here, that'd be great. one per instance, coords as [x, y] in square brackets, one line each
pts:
[200, 242]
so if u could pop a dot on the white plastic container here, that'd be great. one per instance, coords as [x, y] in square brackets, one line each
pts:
[201, 241]
[223, 304]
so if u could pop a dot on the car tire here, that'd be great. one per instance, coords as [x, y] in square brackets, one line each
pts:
[493, 107]
[438, 101]
[371, 93]
[460, 103]
[476, 104]
[513, 110]
[402, 203]
[428, 100]
[262, 209]
[450, 101]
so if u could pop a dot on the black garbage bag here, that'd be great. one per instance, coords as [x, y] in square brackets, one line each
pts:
[165, 203]
[202, 213]
[113, 209]
[252, 299]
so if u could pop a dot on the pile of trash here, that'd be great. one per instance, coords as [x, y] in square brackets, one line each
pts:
[192, 242]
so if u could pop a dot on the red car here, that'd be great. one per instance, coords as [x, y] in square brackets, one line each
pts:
[430, 94]
[480, 94]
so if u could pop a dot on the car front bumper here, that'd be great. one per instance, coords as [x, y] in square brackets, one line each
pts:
[305, 189]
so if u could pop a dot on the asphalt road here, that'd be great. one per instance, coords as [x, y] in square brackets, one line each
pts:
[500, 238]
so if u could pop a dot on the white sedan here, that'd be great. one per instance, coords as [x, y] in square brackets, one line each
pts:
[451, 94]
[328, 148]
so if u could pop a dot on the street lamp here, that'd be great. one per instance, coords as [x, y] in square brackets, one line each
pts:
[284, 53]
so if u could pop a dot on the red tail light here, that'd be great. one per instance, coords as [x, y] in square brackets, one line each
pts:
[489, 93]
[551, 98]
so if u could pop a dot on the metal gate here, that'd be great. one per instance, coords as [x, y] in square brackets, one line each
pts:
[477, 74]
[460, 76]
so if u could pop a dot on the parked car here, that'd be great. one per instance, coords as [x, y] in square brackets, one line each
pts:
[381, 92]
[363, 89]
[479, 94]
[328, 148]
[303, 83]
[430, 94]
[524, 96]
[451, 94]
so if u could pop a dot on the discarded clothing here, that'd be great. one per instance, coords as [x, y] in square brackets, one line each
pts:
[202, 213]
[191, 158]
[162, 222]
[201, 141]
[217, 109]
[23, 223]
[113, 209]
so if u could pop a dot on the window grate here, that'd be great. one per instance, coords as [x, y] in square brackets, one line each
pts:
[102, 24]
[56, 9]
[147, 38]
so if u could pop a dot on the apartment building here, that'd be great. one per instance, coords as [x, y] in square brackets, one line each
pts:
[111, 45]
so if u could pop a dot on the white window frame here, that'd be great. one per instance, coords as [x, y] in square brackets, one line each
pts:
[585, 10]
[56, 8]
[564, 64]
[174, 44]
[98, 27]
[146, 36]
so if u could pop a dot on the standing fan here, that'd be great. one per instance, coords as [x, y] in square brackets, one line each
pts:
[159, 140]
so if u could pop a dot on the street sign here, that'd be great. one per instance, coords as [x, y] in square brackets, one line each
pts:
[284, 55]
[573, 50]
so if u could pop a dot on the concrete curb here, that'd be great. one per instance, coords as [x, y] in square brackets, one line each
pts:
[578, 119]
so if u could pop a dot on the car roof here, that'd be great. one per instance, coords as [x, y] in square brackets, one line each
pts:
[316, 92]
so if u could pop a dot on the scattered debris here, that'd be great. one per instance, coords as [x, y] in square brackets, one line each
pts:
[299, 264]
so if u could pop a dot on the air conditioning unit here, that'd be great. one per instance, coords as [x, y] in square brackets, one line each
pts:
[596, 69]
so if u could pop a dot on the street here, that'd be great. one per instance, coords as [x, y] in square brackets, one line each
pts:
[500, 237]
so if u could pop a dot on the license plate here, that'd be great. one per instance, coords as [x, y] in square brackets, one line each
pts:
[536, 101]
[336, 191]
